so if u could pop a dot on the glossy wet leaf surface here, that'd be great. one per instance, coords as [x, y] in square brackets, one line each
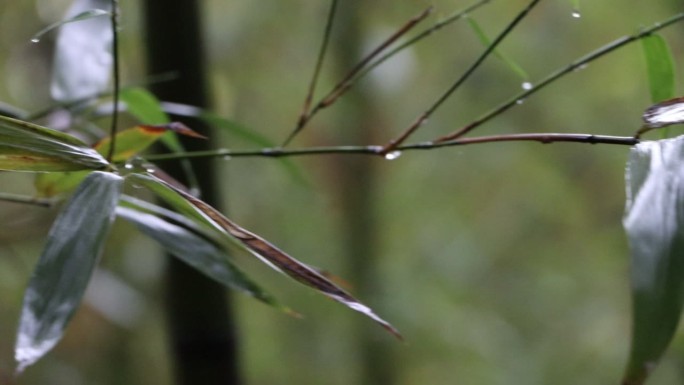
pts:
[186, 241]
[259, 247]
[60, 278]
[654, 221]
[26, 146]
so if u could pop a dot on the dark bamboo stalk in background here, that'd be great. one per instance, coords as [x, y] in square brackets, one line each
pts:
[358, 196]
[201, 328]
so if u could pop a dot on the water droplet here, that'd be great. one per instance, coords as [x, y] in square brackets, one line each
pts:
[520, 101]
[35, 40]
[150, 170]
[527, 86]
[227, 157]
[392, 155]
[576, 14]
[128, 166]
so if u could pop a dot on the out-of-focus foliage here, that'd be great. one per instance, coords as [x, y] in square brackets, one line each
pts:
[501, 263]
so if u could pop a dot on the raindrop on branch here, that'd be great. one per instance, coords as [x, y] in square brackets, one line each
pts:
[520, 101]
[527, 86]
[392, 155]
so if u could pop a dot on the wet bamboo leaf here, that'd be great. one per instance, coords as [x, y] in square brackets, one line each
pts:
[83, 57]
[654, 221]
[144, 106]
[26, 146]
[258, 246]
[52, 184]
[85, 15]
[148, 110]
[660, 67]
[192, 245]
[132, 141]
[60, 278]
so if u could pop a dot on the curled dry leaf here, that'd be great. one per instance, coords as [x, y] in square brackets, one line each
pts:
[275, 257]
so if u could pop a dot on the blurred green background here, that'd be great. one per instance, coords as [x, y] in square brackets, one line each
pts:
[500, 263]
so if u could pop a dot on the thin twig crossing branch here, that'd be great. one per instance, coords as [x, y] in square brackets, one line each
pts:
[395, 143]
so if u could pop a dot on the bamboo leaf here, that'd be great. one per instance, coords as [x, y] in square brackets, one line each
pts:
[60, 278]
[83, 57]
[660, 67]
[188, 242]
[85, 15]
[132, 141]
[144, 106]
[52, 184]
[257, 246]
[26, 146]
[654, 221]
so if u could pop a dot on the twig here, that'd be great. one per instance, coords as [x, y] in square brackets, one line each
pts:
[577, 64]
[436, 27]
[395, 143]
[314, 79]
[15, 198]
[277, 152]
[341, 87]
[115, 95]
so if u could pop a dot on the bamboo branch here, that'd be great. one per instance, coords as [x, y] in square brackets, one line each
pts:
[576, 65]
[116, 73]
[343, 86]
[317, 71]
[279, 152]
[395, 143]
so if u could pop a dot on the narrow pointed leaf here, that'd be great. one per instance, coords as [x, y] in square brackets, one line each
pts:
[26, 146]
[83, 57]
[187, 242]
[85, 15]
[260, 248]
[660, 67]
[144, 106]
[654, 221]
[132, 141]
[59, 280]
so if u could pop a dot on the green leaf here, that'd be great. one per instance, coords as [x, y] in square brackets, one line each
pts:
[654, 221]
[85, 15]
[144, 106]
[188, 242]
[660, 67]
[132, 141]
[487, 42]
[26, 146]
[266, 252]
[52, 184]
[59, 280]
